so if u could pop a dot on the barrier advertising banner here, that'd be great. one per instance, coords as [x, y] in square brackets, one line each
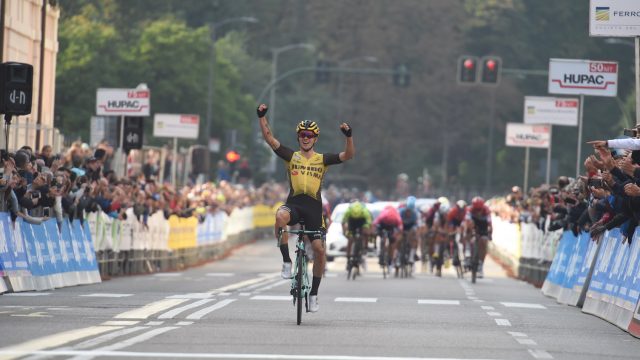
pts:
[614, 18]
[13, 256]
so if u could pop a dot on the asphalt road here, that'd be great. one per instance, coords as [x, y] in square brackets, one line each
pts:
[239, 308]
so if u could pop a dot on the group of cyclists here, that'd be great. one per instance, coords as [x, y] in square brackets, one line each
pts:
[441, 228]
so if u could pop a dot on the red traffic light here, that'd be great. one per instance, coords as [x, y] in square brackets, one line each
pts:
[491, 65]
[232, 156]
[469, 64]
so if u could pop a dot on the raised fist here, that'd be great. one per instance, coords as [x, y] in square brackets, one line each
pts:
[262, 110]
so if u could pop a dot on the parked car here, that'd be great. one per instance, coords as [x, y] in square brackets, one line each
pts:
[336, 241]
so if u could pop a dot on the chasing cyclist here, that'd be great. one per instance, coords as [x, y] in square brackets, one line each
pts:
[409, 217]
[305, 170]
[388, 220]
[357, 217]
[479, 221]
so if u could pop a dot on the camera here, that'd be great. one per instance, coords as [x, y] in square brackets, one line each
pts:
[630, 132]
[36, 194]
[46, 212]
[596, 182]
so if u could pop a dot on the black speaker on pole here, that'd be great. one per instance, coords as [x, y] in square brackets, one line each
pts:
[16, 88]
[200, 160]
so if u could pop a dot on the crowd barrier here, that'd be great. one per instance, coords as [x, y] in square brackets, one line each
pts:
[40, 257]
[602, 277]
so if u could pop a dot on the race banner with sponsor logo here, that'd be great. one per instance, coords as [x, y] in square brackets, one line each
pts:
[614, 18]
[525, 135]
[583, 77]
[176, 126]
[123, 102]
[551, 110]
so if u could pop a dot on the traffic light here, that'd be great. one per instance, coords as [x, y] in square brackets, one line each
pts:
[322, 71]
[491, 67]
[467, 69]
[401, 76]
[232, 156]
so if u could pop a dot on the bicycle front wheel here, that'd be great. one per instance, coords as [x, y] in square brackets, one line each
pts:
[299, 264]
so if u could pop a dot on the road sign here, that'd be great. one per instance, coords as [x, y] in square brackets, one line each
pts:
[614, 18]
[176, 126]
[525, 135]
[133, 133]
[583, 77]
[123, 102]
[16, 84]
[551, 110]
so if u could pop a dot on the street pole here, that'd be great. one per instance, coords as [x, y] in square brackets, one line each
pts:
[526, 170]
[342, 64]
[580, 115]
[548, 176]
[121, 153]
[637, 80]
[207, 133]
[492, 113]
[174, 163]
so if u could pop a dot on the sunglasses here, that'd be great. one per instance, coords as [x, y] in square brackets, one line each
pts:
[306, 134]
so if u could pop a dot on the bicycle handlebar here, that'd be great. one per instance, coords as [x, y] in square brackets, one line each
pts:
[305, 232]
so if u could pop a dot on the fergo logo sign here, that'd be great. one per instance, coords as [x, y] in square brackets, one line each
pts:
[583, 77]
[123, 102]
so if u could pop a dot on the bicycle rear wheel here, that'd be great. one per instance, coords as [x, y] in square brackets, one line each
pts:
[299, 264]
[474, 260]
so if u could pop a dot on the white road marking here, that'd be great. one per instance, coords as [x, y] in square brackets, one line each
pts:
[540, 354]
[239, 285]
[478, 301]
[168, 275]
[172, 313]
[523, 305]
[200, 314]
[39, 314]
[268, 287]
[330, 275]
[502, 322]
[517, 334]
[27, 294]
[184, 323]
[120, 323]
[221, 274]
[472, 298]
[150, 309]
[493, 313]
[191, 296]
[438, 302]
[359, 300]
[487, 308]
[107, 337]
[526, 342]
[107, 295]
[132, 354]
[272, 297]
[154, 323]
[244, 294]
[55, 340]
[128, 342]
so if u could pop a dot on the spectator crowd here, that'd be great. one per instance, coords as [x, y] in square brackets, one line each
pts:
[605, 197]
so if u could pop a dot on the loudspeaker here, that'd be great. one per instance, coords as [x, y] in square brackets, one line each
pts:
[16, 88]
[200, 160]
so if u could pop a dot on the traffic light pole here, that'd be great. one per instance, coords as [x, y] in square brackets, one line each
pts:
[489, 172]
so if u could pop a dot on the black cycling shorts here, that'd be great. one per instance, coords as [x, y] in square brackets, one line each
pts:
[303, 207]
[391, 229]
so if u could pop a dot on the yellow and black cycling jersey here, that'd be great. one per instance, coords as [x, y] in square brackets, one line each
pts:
[306, 175]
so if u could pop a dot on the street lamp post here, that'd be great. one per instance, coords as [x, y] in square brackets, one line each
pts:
[272, 93]
[636, 45]
[344, 63]
[212, 28]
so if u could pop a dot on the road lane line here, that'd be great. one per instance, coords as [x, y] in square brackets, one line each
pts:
[55, 340]
[120, 323]
[220, 274]
[172, 313]
[526, 342]
[502, 322]
[478, 301]
[358, 300]
[191, 296]
[493, 313]
[154, 323]
[472, 298]
[268, 287]
[239, 285]
[184, 323]
[106, 295]
[132, 354]
[200, 314]
[540, 354]
[168, 275]
[128, 342]
[517, 334]
[438, 302]
[27, 294]
[107, 337]
[484, 307]
[150, 309]
[523, 305]
[272, 297]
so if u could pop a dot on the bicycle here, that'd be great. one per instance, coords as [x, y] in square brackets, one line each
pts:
[403, 256]
[300, 286]
[384, 256]
[426, 252]
[474, 256]
[355, 261]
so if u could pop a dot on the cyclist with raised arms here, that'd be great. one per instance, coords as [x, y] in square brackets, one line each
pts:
[357, 217]
[479, 220]
[305, 170]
